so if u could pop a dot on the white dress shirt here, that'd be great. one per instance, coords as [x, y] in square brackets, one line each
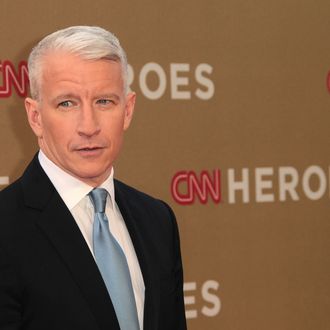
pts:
[75, 196]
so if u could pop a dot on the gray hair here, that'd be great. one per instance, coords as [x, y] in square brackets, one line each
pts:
[88, 42]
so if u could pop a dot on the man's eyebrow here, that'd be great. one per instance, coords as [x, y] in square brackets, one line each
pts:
[108, 96]
[63, 97]
[70, 96]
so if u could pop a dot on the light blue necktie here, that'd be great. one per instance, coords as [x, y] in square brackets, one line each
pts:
[112, 264]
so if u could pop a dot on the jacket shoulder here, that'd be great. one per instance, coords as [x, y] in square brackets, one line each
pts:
[140, 201]
[129, 190]
[11, 194]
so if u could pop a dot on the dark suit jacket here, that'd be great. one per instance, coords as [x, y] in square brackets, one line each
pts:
[48, 277]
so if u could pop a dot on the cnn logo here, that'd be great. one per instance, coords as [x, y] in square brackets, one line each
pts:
[12, 78]
[186, 186]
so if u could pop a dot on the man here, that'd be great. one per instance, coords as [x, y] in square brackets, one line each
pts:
[59, 268]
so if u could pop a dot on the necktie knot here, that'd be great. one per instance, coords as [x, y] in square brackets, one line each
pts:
[98, 197]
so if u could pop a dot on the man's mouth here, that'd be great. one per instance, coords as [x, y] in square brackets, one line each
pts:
[89, 148]
[90, 151]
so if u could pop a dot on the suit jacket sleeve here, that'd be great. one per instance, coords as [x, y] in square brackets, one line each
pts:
[178, 311]
[10, 314]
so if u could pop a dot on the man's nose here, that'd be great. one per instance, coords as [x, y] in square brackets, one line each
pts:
[89, 124]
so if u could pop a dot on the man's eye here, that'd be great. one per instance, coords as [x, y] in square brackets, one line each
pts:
[65, 104]
[104, 101]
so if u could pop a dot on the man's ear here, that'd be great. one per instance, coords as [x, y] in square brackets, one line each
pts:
[129, 109]
[33, 114]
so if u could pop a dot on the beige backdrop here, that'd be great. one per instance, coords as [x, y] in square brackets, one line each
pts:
[231, 128]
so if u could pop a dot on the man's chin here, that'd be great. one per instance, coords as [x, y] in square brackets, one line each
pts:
[93, 177]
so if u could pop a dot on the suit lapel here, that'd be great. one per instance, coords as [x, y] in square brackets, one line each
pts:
[59, 226]
[150, 275]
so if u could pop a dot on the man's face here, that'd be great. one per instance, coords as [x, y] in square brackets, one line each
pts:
[81, 114]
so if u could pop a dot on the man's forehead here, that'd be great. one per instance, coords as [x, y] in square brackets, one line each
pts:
[67, 65]
[64, 73]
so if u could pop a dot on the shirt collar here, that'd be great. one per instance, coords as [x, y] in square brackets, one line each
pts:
[71, 189]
